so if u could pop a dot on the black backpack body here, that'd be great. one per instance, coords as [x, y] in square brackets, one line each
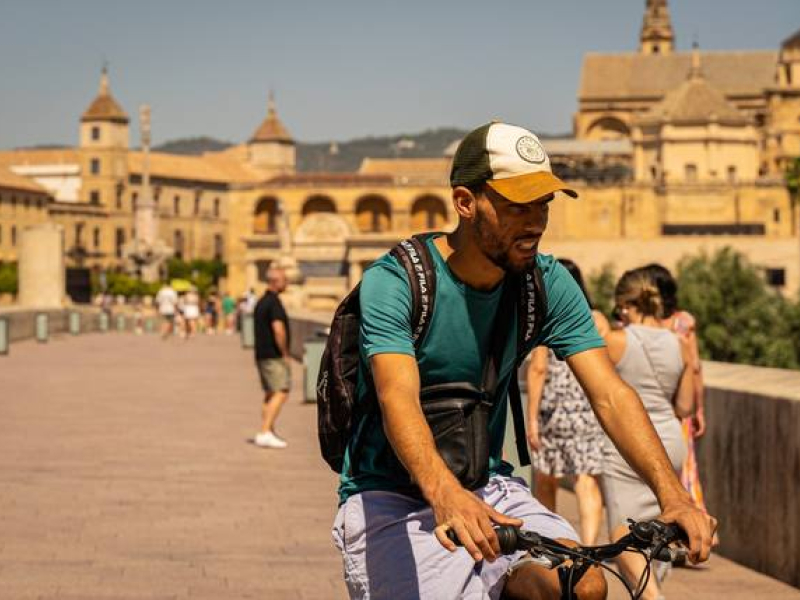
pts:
[338, 410]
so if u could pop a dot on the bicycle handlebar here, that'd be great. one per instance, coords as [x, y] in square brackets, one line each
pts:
[649, 538]
[643, 535]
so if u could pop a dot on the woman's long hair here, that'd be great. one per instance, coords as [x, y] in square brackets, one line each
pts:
[575, 271]
[638, 288]
[667, 287]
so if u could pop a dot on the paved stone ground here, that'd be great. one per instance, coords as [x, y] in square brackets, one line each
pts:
[126, 472]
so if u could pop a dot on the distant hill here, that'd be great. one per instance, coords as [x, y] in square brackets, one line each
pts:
[342, 156]
[347, 156]
[339, 156]
[192, 146]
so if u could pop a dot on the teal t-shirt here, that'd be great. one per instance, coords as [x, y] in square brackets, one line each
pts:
[454, 350]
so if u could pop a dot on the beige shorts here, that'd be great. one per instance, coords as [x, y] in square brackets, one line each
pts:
[274, 374]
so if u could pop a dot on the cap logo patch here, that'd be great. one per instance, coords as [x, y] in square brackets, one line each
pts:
[530, 150]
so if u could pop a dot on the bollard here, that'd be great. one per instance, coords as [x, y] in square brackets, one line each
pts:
[120, 322]
[74, 322]
[42, 327]
[4, 336]
[103, 322]
[248, 331]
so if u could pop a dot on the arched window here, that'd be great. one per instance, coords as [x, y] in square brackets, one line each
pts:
[265, 219]
[373, 214]
[428, 213]
[318, 204]
[608, 128]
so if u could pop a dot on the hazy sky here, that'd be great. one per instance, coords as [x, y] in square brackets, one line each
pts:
[340, 69]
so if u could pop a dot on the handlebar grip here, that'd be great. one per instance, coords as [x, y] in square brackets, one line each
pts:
[648, 530]
[506, 536]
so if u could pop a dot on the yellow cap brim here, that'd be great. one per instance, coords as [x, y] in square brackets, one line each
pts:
[530, 187]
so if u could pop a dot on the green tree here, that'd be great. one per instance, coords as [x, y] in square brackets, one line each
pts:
[9, 280]
[601, 289]
[739, 319]
[204, 274]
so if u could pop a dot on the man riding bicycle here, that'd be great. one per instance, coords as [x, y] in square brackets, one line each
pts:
[398, 497]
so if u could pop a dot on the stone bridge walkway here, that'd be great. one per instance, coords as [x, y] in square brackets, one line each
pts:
[126, 472]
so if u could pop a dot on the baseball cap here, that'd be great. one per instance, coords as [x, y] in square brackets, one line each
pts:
[509, 159]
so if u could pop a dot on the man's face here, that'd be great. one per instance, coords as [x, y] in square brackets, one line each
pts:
[508, 233]
[277, 281]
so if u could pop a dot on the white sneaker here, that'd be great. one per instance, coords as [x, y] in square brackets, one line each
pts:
[269, 440]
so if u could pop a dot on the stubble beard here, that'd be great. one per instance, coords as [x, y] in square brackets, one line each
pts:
[496, 249]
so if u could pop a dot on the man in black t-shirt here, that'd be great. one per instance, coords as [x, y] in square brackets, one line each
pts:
[272, 353]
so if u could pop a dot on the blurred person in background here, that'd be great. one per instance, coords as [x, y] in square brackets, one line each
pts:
[167, 303]
[211, 312]
[271, 328]
[656, 363]
[683, 323]
[191, 312]
[563, 432]
[229, 313]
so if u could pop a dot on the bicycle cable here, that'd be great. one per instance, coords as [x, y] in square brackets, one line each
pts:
[599, 563]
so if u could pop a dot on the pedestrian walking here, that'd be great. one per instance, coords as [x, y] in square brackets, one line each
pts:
[563, 431]
[167, 303]
[656, 363]
[684, 324]
[271, 327]
[211, 313]
[229, 313]
[191, 312]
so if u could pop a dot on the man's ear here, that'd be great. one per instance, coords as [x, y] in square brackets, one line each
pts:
[464, 202]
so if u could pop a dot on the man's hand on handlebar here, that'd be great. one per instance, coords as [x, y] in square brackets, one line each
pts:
[461, 511]
[698, 525]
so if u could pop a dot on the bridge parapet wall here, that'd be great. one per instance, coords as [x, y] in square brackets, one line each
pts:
[749, 462]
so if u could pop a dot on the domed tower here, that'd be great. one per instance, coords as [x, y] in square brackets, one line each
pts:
[104, 134]
[657, 36]
[271, 149]
[695, 135]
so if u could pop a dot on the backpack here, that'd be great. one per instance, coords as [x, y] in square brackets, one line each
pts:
[338, 411]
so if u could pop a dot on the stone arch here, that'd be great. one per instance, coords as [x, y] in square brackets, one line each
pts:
[265, 215]
[318, 203]
[608, 128]
[373, 214]
[428, 212]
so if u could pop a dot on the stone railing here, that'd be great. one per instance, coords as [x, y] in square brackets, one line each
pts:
[749, 463]
[22, 321]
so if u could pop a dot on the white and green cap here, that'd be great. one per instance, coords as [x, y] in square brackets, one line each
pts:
[509, 159]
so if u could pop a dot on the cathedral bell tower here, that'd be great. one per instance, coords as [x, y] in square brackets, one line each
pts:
[657, 36]
[103, 147]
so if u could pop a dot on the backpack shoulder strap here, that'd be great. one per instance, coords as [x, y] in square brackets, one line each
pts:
[415, 257]
[531, 309]
[531, 314]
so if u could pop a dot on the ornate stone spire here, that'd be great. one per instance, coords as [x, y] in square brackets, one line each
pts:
[104, 107]
[657, 36]
[696, 72]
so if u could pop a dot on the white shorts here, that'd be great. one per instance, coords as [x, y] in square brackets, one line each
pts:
[390, 551]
